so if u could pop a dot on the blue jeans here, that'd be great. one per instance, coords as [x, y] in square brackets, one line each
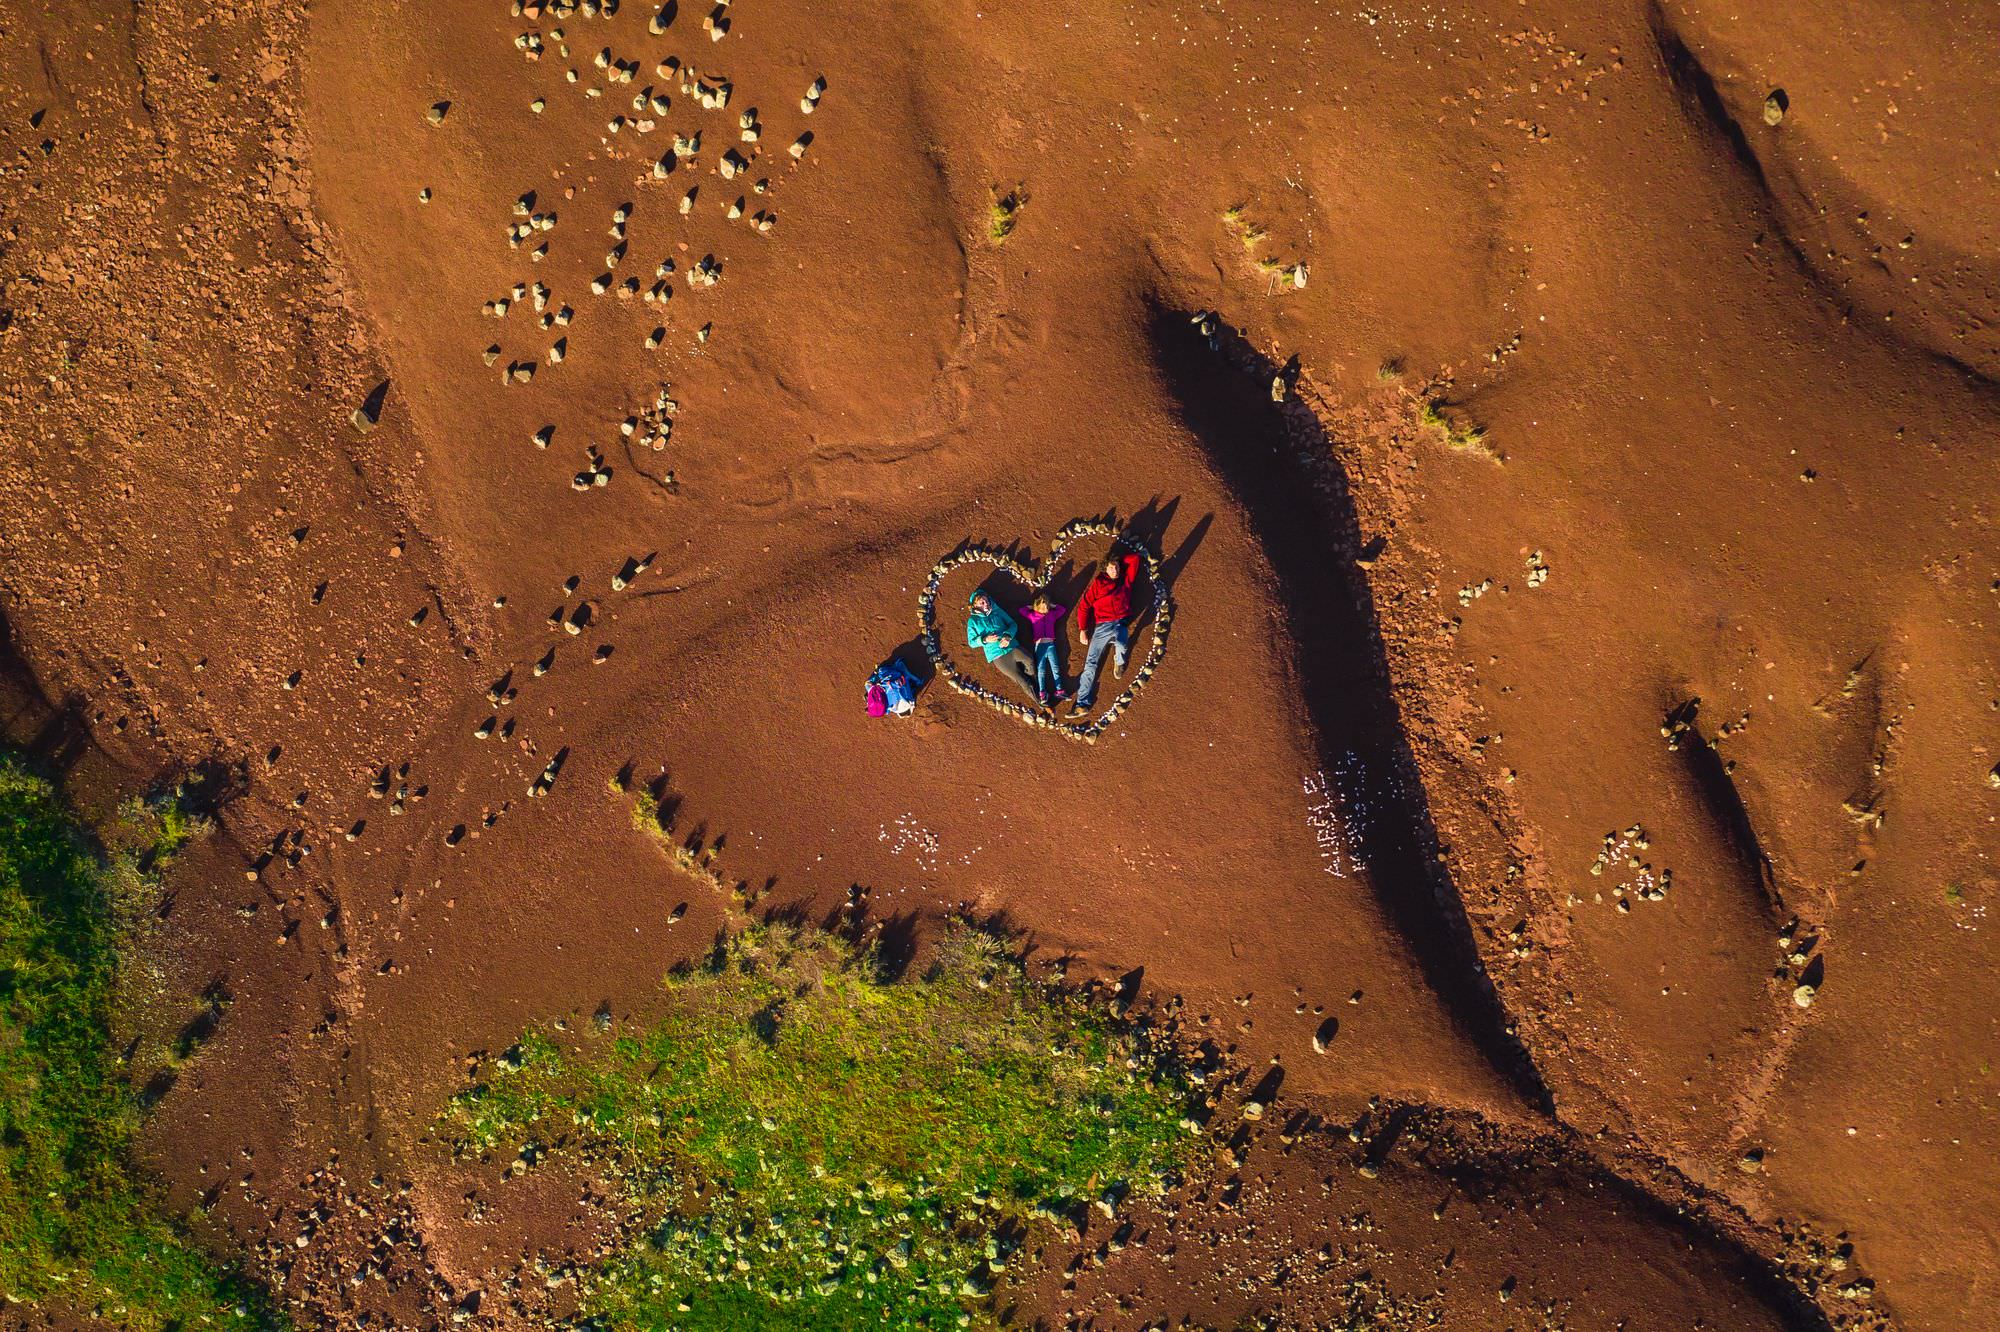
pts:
[1110, 634]
[1048, 671]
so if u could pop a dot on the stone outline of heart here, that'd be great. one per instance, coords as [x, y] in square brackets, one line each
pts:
[1025, 573]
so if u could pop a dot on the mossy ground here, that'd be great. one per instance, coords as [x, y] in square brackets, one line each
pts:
[1005, 214]
[817, 1146]
[78, 1229]
[1462, 435]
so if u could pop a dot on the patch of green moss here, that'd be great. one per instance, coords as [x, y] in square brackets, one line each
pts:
[1005, 214]
[814, 1145]
[79, 1229]
[1462, 435]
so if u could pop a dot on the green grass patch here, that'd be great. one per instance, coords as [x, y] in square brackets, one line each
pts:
[78, 1229]
[813, 1145]
[1462, 435]
[1005, 214]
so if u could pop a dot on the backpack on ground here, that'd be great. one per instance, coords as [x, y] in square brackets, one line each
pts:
[892, 689]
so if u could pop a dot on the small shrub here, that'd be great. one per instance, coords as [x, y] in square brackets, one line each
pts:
[1465, 436]
[1005, 214]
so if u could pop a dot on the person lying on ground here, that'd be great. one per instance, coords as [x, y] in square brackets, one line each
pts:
[1101, 615]
[994, 632]
[1044, 621]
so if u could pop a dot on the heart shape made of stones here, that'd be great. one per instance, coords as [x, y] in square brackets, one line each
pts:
[1035, 577]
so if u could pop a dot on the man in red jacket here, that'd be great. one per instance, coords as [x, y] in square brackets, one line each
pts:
[1101, 613]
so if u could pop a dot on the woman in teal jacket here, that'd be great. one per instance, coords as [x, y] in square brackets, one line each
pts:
[994, 632]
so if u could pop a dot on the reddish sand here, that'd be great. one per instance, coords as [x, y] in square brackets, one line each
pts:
[1722, 569]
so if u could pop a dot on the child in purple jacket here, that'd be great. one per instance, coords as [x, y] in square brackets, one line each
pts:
[1044, 621]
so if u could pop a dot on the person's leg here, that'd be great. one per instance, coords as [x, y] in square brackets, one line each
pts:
[1048, 680]
[1016, 664]
[1123, 640]
[1093, 661]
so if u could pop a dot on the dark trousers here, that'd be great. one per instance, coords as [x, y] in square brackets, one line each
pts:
[1015, 665]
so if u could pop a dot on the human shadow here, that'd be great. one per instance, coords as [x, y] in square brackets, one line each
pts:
[1278, 462]
[1151, 525]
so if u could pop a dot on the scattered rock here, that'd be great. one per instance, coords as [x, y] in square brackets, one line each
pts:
[1323, 1038]
[370, 411]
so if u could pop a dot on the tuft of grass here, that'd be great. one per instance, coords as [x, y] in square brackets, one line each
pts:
[1464, 436]
[646, 814]
[1285, 273]
[812, 1144]
[1390, 370]
[1005, 213]
[1235, 220]
[689, 857]
[79, 1229]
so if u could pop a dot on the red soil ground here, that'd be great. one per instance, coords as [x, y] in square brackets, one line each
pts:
[1722, 569]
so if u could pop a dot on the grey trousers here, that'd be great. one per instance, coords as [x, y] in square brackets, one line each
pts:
[1020, 668]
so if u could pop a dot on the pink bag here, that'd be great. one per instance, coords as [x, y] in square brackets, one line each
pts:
[878, 702]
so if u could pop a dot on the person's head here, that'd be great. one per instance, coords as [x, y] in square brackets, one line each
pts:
[1040, 604]
[981, 602]
[1113, 566]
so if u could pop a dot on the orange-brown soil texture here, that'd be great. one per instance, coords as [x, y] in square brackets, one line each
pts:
[1568, 431]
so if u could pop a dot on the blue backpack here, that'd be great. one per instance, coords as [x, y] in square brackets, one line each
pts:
[892, 689]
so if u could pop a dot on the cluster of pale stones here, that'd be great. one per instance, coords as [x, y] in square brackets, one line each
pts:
[1034, 578]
